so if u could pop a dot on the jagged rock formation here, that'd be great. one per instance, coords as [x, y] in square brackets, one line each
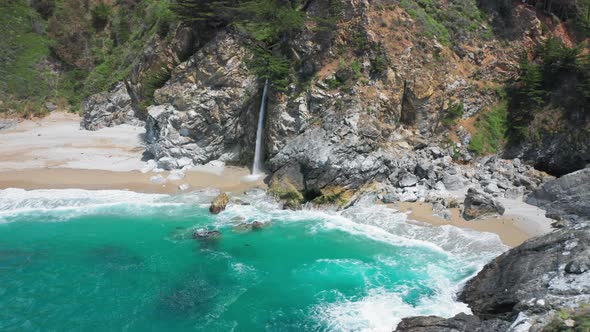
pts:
[126, 101]
[109, 109]
[536, 277]
[567, 197]
[203, 111]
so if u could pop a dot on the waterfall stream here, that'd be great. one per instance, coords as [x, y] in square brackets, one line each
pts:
[258, 153]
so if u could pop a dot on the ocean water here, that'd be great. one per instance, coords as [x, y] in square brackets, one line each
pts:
[75, 260]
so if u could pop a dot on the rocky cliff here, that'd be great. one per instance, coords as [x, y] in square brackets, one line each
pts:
[363, 99]
[391, 99]
[530, 287]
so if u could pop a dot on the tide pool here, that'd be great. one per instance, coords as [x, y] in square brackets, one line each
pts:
[75, 260]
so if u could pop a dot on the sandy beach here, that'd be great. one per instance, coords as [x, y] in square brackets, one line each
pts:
[520, 222]
[54, 153]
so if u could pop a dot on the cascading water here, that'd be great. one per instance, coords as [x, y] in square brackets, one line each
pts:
[257, 166]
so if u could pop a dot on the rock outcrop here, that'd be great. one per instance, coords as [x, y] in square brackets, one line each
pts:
[460, 323]
[479, 204]
[203, 111]
[219, 203]
[109, 109]
[542, 274]
[567, 196]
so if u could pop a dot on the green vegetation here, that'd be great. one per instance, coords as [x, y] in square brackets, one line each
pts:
[268, 23]
[558, 78]
[447, 21]
[491, 130]
[93, 43]
[454, 113]
[579, 318]
[21, 52]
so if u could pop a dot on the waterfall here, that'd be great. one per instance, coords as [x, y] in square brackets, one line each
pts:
[257, 166]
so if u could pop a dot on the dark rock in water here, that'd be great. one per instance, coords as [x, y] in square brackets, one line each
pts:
[205, 234]
[460, 323]
[568, 196]
[219, 203]
[254, 226]
[479, 204]
[542, 273]
[116, 257]
[257, 225]
[194, 296]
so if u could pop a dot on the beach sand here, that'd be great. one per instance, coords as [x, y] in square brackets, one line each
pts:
[520, 222]
[54, 153]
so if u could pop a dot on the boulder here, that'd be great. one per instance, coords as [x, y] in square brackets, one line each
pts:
[158, 179]
[203, 234]
[219, 203]
[568, 196]
[167, 163]
[479, 204]
[176, 175]
[453, 181]
[408, 180]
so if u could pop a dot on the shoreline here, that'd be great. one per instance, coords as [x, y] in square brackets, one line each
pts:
[54, 153]
[231, 179]
[513, 228]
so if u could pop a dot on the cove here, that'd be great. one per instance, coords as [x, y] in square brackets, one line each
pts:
[117, 260]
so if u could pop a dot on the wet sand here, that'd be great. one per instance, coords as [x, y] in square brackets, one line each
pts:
[230, 180]
[512, 228]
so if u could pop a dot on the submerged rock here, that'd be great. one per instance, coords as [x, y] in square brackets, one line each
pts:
[219, 203]
[253, 226]
[479, 204]
[203, 234]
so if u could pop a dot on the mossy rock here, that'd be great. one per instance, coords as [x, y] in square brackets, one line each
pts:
[219, 203]
[334, 196]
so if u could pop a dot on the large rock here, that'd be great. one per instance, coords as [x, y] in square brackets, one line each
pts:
[108, 109]
[460, 323]
[219, 203]
[203, 111]
[567, 196]
[543, 273]
[479, 204]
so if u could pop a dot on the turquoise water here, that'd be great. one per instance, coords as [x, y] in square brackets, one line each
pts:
[73, 260]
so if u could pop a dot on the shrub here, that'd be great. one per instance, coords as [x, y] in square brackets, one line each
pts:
[491, 130]
[454, 113]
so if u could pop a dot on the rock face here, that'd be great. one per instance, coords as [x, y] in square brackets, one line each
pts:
[203, 110]
[541, 274]
[479, 204]
[109, 109]
[568, 196]
[460, 323]
[219, 203]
